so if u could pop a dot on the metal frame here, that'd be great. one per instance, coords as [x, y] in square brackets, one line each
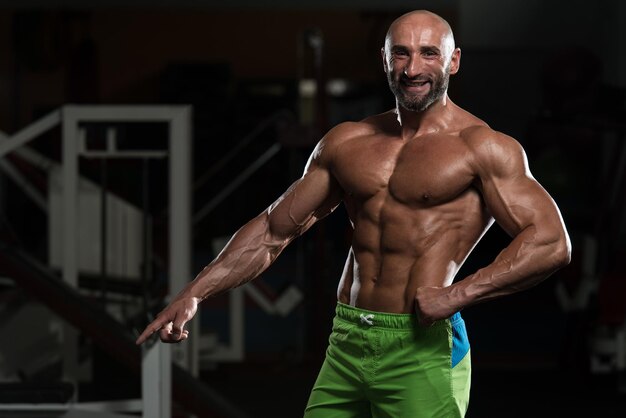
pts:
[156, 377]
[179, 120]
[157, 359]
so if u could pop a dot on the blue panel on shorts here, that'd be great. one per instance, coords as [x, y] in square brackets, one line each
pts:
[460, 342]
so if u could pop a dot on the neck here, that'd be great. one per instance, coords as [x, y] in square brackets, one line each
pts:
[433, 119]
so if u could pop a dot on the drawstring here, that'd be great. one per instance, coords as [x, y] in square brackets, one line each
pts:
[367, 319]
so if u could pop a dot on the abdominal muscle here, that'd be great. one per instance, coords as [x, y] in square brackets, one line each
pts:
[391, 256]
[389, 285]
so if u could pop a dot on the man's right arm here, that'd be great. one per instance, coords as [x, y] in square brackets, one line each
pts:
[255, 246]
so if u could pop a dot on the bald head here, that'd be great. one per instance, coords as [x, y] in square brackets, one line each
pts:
[419, 56]
[419, 21]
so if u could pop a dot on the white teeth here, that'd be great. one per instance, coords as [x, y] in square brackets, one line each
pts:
[416, 83]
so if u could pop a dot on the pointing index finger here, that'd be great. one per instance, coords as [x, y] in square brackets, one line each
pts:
[154, 326]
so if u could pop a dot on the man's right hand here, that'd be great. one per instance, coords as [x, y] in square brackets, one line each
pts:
[170, 322]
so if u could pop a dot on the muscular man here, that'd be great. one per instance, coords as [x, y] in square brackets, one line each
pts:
[421, 183]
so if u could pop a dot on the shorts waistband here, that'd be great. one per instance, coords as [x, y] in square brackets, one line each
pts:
[385, 320]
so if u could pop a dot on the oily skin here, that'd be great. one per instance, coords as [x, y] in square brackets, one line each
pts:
[421, 184]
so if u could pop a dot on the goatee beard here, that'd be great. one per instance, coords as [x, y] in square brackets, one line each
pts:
[415, 103]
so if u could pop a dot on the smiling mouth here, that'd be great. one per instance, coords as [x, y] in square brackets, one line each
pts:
[417, 84]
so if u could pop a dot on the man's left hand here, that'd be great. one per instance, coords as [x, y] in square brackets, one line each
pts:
[432, 304]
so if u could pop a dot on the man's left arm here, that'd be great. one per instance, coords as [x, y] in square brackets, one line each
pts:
[522, 207]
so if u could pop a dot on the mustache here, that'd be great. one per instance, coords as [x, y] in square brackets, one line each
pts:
[420, 78]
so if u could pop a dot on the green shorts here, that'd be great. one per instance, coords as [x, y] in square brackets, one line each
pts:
[386, 365]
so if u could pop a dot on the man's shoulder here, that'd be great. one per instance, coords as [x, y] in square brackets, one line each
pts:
[492, 149]
[482, 138]
[345, 133]
[368, 126]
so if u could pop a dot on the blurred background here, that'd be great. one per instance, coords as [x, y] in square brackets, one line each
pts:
[135, 138]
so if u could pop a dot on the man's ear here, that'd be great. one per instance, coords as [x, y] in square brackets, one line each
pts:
[382, 54]
[455, 61]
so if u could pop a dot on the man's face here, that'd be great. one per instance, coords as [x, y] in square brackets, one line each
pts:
[418, 93]
[419, 56]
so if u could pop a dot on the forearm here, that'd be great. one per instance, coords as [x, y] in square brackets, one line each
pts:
[527, 261]
[248, 253]
[257, 244]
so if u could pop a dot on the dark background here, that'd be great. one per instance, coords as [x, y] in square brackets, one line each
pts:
[551, 74]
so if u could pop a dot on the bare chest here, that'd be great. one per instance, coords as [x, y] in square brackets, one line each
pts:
[426, 171]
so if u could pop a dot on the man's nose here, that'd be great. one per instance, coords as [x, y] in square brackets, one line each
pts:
[413, 67]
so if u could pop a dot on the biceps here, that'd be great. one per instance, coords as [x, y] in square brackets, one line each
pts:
[520, 203]
[310, 198]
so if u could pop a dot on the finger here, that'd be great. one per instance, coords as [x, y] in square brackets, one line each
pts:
[153, 327]
[178, 327]
[165, 333]
[427, 324]
[181, 337]
[169, 336]
[425, 320]
[172, 340]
